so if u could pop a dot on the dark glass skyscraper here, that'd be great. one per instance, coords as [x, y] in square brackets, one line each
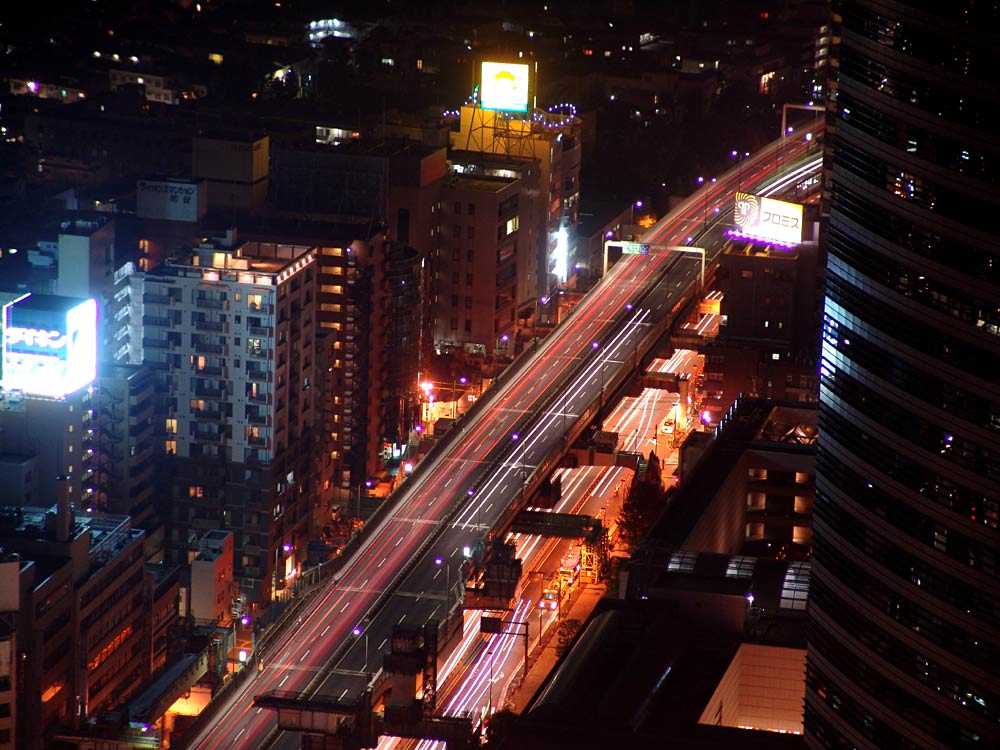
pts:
[904, 642]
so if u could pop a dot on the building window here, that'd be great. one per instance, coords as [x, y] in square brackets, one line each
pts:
[468, 279]
[472, 209]
[170, 447]
[454, 324]
[454, 300]
[171, 426]
[458, 207]
[470, 232]
[468, 325]
[468, 303]
[470, 254]
[196, 490]
[456, 231]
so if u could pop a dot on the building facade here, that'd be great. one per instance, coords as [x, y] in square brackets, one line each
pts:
[82, 638]
[480, 265]
[125, 452]
[552, 141]
[230, 331]
[904, 645]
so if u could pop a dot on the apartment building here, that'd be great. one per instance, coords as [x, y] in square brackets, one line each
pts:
[230, 329]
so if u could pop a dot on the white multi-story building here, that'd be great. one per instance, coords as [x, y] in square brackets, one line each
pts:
[230, 330]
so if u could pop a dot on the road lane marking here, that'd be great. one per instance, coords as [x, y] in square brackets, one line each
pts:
[325, 631]
[305, 654]
[345, 606]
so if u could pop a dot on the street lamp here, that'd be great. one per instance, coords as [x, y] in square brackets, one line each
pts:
[739, 156]
[358, 632]
[368, 485]
[427, 408]
[439, 561]
[454, 395]
[701, 181]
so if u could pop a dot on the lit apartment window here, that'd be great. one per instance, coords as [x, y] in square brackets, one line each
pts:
[171, 425]
[196, 490]
[170, 447]
[254, 301]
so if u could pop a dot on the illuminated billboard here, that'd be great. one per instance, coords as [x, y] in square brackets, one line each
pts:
[49, 345]
[504, 87]
[765, 219]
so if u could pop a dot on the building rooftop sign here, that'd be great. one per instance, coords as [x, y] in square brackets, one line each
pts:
[505, 87]
[762, 219]
[49, 345]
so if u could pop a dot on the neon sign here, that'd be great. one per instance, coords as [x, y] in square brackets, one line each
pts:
[36, 337]
[49, 345]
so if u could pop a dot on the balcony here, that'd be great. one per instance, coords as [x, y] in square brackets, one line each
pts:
[207, 415]
[258, 331]
[209, 325]
[260, 398]
[201, 346]
[208, 437]
[210, 370]
[156, 299]
[209, 304]
[257, 418]
[208, 392]
[155, 343]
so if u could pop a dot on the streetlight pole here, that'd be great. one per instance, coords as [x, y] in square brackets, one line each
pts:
[455, 382]
[447, 587]
[739, 156]
[358, 632]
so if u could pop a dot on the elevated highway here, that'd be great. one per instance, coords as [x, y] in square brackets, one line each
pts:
[405, 571]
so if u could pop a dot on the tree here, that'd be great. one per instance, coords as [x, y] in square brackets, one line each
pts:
[640, 509]
[565, 634]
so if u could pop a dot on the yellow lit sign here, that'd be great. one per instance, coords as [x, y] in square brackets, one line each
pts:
[505, 87]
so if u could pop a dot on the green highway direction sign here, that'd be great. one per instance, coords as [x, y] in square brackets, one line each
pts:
[634, 248]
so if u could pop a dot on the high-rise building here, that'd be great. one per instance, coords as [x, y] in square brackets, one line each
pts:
[481, 266]
[230, 330]
[904, 643]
